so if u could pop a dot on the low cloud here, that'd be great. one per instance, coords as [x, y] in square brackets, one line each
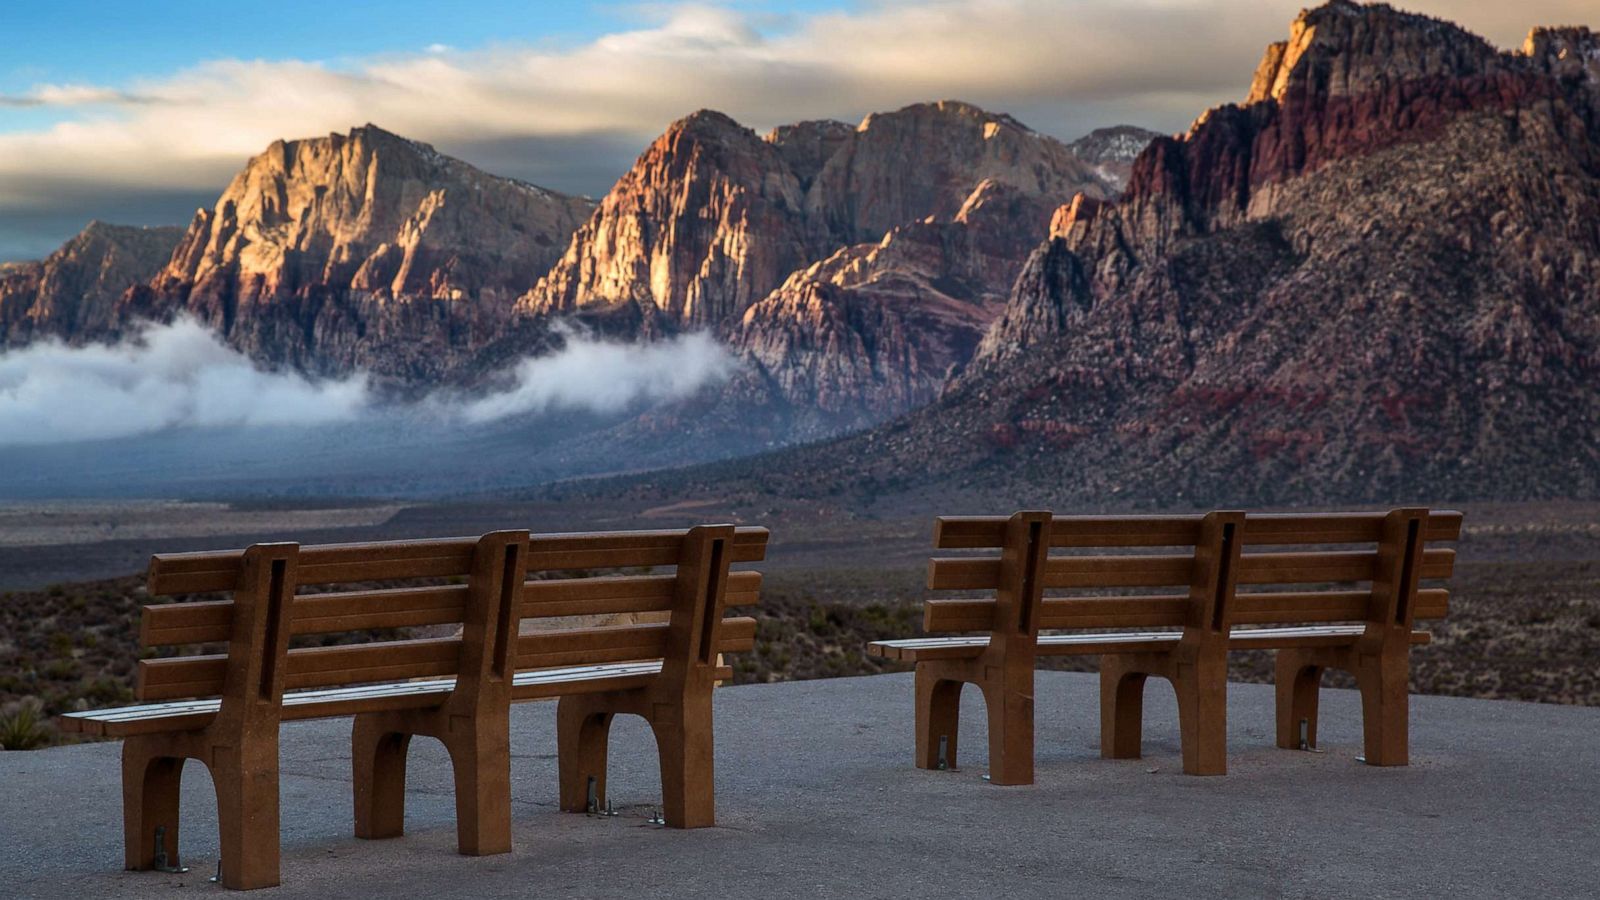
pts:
[180, 376]
[605, 377]
[1063, 66]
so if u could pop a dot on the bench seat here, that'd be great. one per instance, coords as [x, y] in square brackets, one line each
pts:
[915, 649]
[182, 715]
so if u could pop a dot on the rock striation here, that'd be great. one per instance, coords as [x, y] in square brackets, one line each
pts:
[73, 293]
[365, 251]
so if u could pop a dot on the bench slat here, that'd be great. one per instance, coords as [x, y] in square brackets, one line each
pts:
[196, 573]
[976, 532]
[973, 532]
[919, 649]
[978, 573]
[152, 718]
[609, 595]
[210, 571]
[629, 549]
[1318, 567]
[317, 667]
[1172, 610]
[208, 621]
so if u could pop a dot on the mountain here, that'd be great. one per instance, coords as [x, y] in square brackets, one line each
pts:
[713, 218]
[73, 293]
[1112, 150]
[853, 269]
[1374, 280]
[365, 251]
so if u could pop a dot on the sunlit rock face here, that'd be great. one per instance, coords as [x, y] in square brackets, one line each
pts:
[713, 217]
[363, 251]
[73, 293]
[1374, 280]
[708, 220]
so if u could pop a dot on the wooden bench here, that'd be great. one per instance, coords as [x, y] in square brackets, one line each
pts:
[225, 709]
[1302, 575]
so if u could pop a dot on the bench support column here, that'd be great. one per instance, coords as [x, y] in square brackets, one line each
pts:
[1197, 666]
[677, 704]
[473, 722]
[1380, 659]
[938, 716]
[239, 747]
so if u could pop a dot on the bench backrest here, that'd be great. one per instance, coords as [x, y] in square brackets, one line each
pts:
[270, 604]
[1199, 572]
[487, 592]
[692, 599]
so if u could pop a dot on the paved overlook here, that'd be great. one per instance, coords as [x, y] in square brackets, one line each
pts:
[817, 798]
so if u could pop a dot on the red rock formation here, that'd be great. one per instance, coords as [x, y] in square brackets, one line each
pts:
[1375, 281]
[72, 294]
[712, 218]
[363, 251]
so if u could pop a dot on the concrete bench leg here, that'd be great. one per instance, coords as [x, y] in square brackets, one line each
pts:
[246, 780]
[1384, 680]
[1121, 709]
[1298, 682]
[1385, 708]
[1201, 685]
[582, 733]
[480, 757]
[150, 783]
[378, 759]
[1202, 688]
[686, 745]
[480, 752]
[938, 718]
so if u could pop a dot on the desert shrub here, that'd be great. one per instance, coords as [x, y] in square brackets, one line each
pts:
[24, 729]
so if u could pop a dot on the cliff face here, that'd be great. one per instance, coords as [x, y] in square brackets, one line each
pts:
[73, 293]
[877, 329]
[1374, 281]
[362, 251]
[708, 220]
[713, 218]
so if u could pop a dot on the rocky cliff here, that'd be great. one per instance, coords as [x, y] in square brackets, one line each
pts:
[364, 251]
[877, 329]
[1374, 280]
[713, 218]
[73, 293]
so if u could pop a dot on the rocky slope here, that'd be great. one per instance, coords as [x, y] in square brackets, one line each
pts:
[1112, 150]
[877, 329]
[1375, 280]
[73, 293]
[364, 251]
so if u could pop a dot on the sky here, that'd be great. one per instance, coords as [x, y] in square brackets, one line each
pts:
[140, 112]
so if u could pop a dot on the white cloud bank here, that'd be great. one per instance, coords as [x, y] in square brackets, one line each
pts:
[180, 376]
[1063, 66]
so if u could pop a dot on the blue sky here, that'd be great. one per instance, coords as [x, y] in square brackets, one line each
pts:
[140, 111]
[115, 41]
